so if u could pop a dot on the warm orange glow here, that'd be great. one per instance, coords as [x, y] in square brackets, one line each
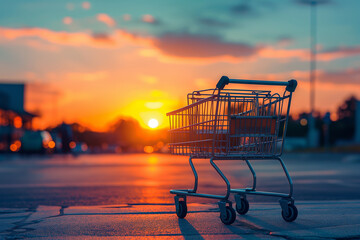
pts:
[152, 167]
[152, 160]
[13, 147]
[148, 149]
[334, 117]
[154, 105]
[72, 144]
[17, 122]
[153, 123]
[150, 104]
[51, 144]
[160, 145]
[154, 88]
[303, 122]
[17, 143]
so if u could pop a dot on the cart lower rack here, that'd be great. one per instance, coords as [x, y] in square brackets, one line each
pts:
[233, 124]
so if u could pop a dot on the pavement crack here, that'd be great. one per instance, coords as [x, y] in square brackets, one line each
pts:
[21, 226]
[61, 211]
[256, 229]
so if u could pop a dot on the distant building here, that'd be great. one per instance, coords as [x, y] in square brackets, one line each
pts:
[14, 120]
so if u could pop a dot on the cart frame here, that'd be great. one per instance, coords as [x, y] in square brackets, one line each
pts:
[217, 152]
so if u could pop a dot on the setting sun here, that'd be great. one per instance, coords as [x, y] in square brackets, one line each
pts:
[153, 123]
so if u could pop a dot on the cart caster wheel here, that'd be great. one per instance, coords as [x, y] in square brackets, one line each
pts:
[229, 217]
[181, 209]
[292, 215]
[244, 208]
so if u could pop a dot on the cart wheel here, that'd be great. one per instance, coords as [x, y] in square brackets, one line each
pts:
[293, 213]
[229, 217]
[181, 209]
[244, 208]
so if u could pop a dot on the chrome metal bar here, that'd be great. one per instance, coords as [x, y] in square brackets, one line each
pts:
[223, 177]
[216, 123]
[195, 176]
[286, 123]
[254, 192]
[224, 80]
[191, 125]
[189, 106]
[252, 117]
[192, 192]
[253, 174]
[287, 176]
[187, 193]
[195, 141]
[246, 191]
[258, 82]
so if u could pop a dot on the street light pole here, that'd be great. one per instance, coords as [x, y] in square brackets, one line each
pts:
[312, 56]
[313, 135]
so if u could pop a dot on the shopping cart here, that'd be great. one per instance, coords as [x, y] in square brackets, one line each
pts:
[233, 124]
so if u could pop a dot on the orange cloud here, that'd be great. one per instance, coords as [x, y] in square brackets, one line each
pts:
[42, 46]
[168, 58]
[62, 38]
[87, 76]
[186, 45]
[348, 76]
[148, 79]
[212, 49]
[176, 47]
[204, 49]
[340, 52]
[270, 52]
[102, 17]
[304, 54]
[193, 48]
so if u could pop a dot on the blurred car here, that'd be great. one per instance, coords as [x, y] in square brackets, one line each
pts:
[37, 142]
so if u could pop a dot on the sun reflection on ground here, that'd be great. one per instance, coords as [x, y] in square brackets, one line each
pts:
[152, 170]
[153, 160]
[152, 167]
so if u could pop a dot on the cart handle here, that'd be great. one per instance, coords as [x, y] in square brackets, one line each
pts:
[224, 80]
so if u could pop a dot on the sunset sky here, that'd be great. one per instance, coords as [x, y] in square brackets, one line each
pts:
[93, 61]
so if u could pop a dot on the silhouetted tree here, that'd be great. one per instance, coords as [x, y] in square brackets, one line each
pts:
[347, 109]
[344, 127]
[127, 132]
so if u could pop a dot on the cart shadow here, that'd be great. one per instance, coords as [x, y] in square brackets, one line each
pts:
[187, 230]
